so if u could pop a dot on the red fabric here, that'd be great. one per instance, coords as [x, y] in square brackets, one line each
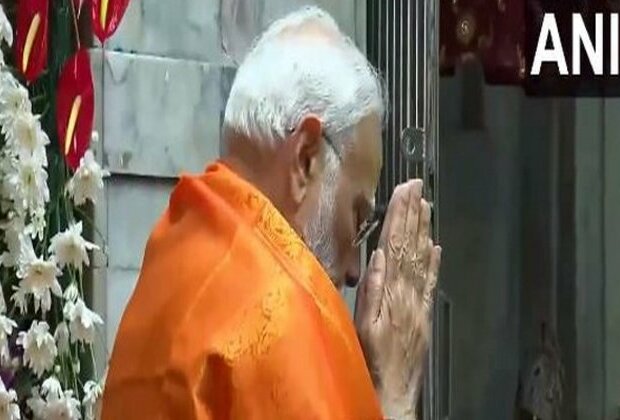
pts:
[492, 32]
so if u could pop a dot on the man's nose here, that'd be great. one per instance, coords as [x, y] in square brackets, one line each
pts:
[352, 280]
[352, 275]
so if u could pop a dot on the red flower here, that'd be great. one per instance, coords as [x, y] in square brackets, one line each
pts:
[107, 15]
[75, 107]
[31, 37]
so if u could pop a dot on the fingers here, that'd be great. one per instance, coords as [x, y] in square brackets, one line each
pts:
[424, 227]
[433, 275]
[414, 210]
[421, 253]
[372, 287]
[402, 211]
[433, 268]
[395, 214]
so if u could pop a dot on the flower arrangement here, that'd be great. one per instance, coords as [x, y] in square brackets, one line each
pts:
[47, 330]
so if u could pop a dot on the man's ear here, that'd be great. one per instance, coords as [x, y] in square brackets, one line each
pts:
[307, 160]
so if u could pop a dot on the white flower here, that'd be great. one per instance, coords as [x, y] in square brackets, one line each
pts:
[20, 299]
[6, 329]
[39, 347]
[6, 32]
[61, 335]
[36, 229]
[2, 300]
[71, 293]
[28, 138]
[26, 184]
[10, 188]
[32, 182]
[14, 101]
[36, 403]
[92, 392]
[92, 396]
[51, 388]
[70, 248]
[94, 137]
[38, 277]
[9, 410]
[64, 408]
[87, 180]
[13, 237]
[82, 321]
[52, 403]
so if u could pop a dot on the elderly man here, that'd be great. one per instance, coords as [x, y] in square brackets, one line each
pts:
[234, 315]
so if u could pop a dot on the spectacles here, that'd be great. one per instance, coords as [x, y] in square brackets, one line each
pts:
[375, 219]
[329, 142]
[369, 225]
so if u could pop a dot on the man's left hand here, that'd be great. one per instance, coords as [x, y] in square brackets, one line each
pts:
[394, 301]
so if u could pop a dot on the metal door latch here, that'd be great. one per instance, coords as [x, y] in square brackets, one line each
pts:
[412, 140]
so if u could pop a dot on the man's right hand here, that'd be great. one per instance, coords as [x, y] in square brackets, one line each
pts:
[394, 301]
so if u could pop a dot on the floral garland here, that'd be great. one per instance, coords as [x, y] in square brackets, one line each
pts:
[46, 328]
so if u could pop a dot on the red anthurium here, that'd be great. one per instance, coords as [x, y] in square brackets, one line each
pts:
[31, 37]
[107, 15]
[75, 107]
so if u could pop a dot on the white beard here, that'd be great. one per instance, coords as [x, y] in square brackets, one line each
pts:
[319, 232]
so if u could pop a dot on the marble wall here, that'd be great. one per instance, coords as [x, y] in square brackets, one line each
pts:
[161, 86]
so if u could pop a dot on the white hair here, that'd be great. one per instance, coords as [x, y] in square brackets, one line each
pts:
[283, 78]
[304, 64]
[318, 233]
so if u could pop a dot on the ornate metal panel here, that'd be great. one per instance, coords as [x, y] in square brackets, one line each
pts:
[402, 42]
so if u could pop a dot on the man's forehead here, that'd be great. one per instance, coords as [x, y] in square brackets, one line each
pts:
[368, 147]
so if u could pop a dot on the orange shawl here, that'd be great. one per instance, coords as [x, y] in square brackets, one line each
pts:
[234, 318]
